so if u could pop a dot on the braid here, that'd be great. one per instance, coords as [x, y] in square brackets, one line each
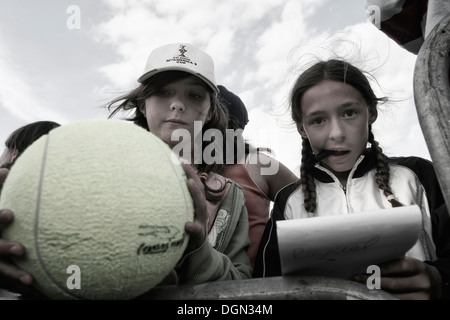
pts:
[382, 174]
[307, 180]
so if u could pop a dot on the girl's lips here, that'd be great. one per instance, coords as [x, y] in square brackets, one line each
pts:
[328, 153]
[339, 152]
[338, 156]
[177, 121]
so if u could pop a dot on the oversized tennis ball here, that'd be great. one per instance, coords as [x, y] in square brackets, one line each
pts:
[100, 206]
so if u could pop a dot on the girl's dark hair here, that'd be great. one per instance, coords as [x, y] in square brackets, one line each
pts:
[237, 120]
[336, 70]
[23, 137]
[234, 124]
[134, 100]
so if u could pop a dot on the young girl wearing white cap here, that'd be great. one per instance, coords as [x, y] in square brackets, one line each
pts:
[178, 89]
[178, 94]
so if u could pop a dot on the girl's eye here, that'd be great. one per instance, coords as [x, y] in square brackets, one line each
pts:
[162, 92]
[350, 113]
[196, 95]
[317, 121]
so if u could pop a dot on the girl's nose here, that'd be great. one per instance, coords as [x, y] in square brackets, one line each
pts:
[336, 131]
[177, 104]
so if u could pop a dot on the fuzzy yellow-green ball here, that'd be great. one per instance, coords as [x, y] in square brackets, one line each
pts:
[100, 206]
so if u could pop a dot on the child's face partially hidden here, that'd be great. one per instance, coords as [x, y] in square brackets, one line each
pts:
[336, 118]
[8, 156]
[177, 106]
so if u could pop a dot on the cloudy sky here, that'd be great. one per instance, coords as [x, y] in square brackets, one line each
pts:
[62, 60]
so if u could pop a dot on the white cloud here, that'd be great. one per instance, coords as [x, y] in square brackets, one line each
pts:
[19, 95]
[264, 130]
[232, 32]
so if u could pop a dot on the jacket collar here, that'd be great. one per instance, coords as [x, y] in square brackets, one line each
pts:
[365, 163]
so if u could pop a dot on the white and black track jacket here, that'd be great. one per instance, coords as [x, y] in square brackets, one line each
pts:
[412, 180]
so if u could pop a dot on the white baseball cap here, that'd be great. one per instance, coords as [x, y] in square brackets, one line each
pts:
[181, 57]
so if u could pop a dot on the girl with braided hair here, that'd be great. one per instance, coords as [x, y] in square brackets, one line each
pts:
[344, 171]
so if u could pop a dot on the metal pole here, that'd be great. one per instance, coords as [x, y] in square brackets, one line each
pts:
[271, 288]
[432, 98]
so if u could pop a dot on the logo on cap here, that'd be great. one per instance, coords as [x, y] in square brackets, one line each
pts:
[182, 50]
[182, 59]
